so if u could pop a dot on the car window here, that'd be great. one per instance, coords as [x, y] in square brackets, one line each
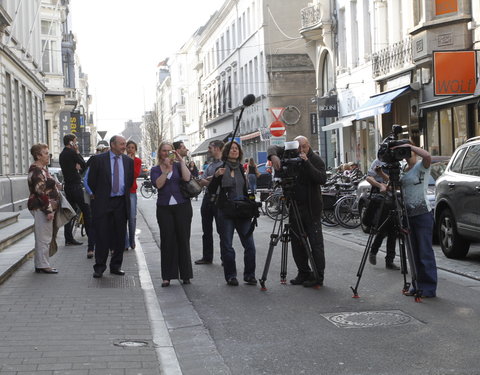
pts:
[457, 162]
[437, 169]
[471, 163]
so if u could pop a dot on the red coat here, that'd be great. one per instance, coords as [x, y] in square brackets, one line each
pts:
[137, 165]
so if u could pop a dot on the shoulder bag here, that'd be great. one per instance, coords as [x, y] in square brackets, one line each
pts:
[190, 189]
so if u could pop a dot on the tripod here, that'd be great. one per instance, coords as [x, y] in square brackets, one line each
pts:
[283, 232]
[398, 216]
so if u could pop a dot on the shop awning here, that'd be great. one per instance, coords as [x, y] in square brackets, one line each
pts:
[250, 136]
[378, 104]
[342, 123]
[203, 148]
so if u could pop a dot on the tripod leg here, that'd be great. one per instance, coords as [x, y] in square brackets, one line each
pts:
[275, 236]
[283, 269]
[361, 267]
[403, 263]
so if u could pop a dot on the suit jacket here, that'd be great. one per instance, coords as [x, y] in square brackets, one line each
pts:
[100, 182]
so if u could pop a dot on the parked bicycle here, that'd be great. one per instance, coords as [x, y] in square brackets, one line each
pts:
[347, 212]
[273, 205]
[147, 189]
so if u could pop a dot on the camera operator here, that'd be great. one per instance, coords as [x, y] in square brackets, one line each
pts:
[378, 178]
[308, 196]
[414, 183]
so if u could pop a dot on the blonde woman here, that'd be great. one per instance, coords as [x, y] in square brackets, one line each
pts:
[43, 202]
[174, 215]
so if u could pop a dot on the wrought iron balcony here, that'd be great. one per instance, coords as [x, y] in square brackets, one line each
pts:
[394, 57]
[311, 16]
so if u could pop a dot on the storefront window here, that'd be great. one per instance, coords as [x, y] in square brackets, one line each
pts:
[432, 133]
[446, 131]
[459, 125]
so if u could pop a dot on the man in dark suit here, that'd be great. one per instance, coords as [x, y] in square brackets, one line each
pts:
[110, 179]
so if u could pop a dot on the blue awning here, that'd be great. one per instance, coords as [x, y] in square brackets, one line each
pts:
[378, 104]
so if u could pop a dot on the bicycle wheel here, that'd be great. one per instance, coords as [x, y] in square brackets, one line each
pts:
[345, 214]
[83, 232]
[328, 218]
[146, 191]
[273, 206]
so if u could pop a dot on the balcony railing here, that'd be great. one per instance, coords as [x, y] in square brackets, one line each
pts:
[310, 16]
[392, 58]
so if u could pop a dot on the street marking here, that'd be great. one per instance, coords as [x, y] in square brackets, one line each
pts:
[167, 357]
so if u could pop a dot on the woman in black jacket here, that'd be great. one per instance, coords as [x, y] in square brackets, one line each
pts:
[230, 185]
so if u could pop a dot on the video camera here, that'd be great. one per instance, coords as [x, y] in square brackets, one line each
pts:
[290, 162]
[388, 155]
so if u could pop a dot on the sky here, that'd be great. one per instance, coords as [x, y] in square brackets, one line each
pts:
[120, 43]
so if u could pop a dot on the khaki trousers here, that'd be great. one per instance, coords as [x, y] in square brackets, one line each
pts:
[43, 230]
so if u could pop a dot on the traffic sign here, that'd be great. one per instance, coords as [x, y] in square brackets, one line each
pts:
[277, 128]
[277, 141]
[277, 112]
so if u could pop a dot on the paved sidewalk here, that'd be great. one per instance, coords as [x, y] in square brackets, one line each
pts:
[69, 323]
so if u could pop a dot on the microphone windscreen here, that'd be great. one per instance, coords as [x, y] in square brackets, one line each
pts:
[249, 100]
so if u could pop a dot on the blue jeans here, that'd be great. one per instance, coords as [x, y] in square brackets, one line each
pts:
[252, 182]
[132, 222]
[226, 228]
[421, 228]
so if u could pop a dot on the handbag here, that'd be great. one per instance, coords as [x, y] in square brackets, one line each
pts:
[190, 189]
[65, 212]
[245, 209]
[377, 210]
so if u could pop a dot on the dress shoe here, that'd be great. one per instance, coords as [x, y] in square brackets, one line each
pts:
[300, 279]
[232, 281]
[73, 243]
[46, 270]
[412, 293]
[118, 272]
[250, 280]
[97, 275]
[186, 281]
[203, 261]
[165, 283]
[372, 258]
[392, 266]
[90, 254]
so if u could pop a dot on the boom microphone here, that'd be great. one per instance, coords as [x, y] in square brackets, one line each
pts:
[249, 100]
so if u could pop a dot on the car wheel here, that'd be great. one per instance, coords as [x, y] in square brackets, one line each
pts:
[453, 245]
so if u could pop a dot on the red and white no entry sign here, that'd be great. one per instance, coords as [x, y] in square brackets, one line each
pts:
[277, 128]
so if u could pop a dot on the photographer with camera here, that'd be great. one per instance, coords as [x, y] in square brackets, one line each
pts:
[379, 178]
[308, 174]
[414, 182]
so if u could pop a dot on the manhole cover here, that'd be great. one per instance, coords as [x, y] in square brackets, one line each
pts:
[131, 343]
[113, 282]
[368, 319]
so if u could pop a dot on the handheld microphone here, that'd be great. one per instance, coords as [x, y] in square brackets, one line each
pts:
[248, 100]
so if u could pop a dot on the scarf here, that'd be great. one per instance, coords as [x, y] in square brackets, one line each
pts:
[234, 186]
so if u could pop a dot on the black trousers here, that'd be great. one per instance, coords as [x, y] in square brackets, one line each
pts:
[387, 230]
[209, 214]
[175, 222]
[110, 232]
[313, 230]
[74, 195]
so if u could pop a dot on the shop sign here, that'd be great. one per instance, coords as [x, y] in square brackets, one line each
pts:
[454, 72]
[327, 106]
[445, 7]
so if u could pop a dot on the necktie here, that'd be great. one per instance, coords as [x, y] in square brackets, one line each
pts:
[116, 177]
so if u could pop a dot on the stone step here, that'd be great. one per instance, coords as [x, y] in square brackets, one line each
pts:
[12, 257]
[7, 218]
[15, 232]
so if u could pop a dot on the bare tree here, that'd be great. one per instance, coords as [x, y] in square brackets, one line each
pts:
[153, 132]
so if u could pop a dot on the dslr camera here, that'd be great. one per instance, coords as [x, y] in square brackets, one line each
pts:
[388, 155]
